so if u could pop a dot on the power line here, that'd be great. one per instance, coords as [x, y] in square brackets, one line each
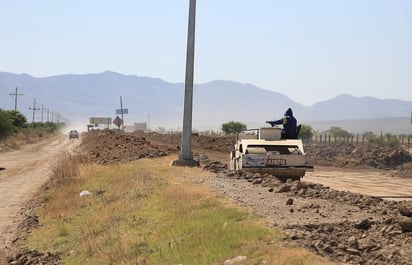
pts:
[15, 94]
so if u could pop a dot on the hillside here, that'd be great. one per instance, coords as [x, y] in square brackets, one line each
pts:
[160, 103]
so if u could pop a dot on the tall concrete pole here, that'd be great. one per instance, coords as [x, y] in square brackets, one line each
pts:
[186, 150]
[186, 158]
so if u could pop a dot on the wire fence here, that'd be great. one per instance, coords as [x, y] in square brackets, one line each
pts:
[388, 140]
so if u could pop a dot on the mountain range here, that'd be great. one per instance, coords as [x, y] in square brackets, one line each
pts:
[160, 103]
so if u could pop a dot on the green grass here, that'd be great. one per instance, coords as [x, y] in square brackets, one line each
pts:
[147, 212]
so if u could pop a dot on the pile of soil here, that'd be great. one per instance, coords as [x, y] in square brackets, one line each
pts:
[358, 156]
[110, 146]
[217, 143]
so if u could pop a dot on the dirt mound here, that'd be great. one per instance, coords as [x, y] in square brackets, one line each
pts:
[217, 143]
[347, 155]
[109, 146]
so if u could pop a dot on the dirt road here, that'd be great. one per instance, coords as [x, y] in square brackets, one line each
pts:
[379, 183]
[25, 172]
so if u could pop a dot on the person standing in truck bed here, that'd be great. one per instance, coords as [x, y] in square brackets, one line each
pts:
[289, 123]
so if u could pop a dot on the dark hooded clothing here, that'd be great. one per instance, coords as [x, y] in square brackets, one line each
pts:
[289, 125]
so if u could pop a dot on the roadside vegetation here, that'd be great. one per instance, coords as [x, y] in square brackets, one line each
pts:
[233, 127]
[15, 131]
[338, 135]
[11, 122]
[147, 212]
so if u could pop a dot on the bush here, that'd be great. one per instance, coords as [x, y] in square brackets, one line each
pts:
[11, 122]
[339, 132]
[387, 141]
[306, 132]
[233, 127]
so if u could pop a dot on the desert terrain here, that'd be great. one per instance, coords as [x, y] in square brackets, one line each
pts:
[355, 207]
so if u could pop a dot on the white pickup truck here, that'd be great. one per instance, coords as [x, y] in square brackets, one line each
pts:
[264, 151]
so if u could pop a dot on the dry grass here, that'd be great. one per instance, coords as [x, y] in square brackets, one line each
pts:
[146, 212]
[64, 169]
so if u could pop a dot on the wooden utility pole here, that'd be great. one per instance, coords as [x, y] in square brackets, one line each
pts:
[15, 94]
[34, 108]
[42, 109]
[121, 111]
[48, 114]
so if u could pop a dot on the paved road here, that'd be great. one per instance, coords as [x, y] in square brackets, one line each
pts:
[26, 170]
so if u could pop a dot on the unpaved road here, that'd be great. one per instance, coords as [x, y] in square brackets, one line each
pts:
[26, 170]
[365, 181]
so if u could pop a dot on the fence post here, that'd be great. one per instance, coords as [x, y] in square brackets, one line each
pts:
[357, 139]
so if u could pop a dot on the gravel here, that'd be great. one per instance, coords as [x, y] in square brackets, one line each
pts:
[347, 227]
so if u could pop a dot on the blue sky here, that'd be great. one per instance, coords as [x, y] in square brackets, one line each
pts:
[309, 50]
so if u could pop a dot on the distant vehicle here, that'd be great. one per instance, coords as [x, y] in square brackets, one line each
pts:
[73, 134]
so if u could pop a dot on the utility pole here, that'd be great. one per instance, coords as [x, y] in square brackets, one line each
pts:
[42, 109]
[148, 121]
[57, 117]
[34, 111]
[186, 157]
[48, 114]
[15, 94]
[121, 111]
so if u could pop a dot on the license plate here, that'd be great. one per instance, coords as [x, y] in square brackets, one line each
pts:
[275, 162]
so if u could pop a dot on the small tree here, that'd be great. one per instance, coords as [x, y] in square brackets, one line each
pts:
[233, 127]
[338, 132]
[306, 132]
[369, 135]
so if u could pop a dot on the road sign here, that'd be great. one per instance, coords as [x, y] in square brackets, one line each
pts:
[119, 111]
[118, 121]
[100, 120]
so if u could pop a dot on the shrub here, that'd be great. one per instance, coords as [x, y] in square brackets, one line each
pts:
[233, 127]
[387, 141]
[306, 132]
[339, 132]
[11, 122]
